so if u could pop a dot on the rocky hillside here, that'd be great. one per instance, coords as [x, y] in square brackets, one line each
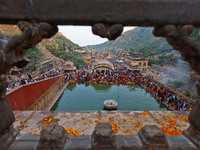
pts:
[43, 51]
[138, 39]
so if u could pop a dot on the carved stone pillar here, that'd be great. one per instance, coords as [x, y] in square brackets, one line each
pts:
[178, 37]
[12, 53]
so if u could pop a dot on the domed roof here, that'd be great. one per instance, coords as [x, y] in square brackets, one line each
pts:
[103, 63]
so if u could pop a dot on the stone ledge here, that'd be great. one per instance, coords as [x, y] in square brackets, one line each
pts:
[127, 142]
[30, 142]
[79, 142]
[75, 120]
[180, 142]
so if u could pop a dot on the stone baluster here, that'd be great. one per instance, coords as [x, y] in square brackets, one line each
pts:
[153, 138]
[103, 137]
[53, 137]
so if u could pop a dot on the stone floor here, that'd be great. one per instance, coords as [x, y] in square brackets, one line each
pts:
[128, 122]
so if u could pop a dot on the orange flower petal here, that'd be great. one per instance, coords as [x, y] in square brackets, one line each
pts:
[23, 124]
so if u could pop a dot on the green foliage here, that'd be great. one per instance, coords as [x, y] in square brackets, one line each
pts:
[34, 55]
[172, 57]
[65, 43]
[153, 60]
[176, 84]
[71, 87]
[7, 36]
[101, 87]
[51, 47]
[72, 56]
[60, 45]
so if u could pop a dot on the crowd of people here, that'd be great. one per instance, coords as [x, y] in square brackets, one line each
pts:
[30, 79]
[119, 76]
[167, 97]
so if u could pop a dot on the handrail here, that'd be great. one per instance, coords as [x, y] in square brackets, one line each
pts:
[89, 12]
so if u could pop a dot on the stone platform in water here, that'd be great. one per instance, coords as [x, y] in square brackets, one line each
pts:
[83, 123]
[110, 104]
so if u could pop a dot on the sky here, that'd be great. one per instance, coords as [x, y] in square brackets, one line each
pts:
[82, 35]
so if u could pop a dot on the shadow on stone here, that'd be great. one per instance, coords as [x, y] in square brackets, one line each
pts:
[53, 137]
[103, 137]
[153, 138]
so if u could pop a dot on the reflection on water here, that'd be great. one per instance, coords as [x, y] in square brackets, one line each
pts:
[78, 96]
[101, 87]
[72, 87]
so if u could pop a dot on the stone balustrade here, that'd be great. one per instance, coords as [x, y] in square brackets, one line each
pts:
[98, 136]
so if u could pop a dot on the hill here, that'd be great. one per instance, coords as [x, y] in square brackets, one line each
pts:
[47, 49]
[138, 39]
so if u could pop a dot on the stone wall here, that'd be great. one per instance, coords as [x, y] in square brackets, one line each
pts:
[25, 96]
[46, 96]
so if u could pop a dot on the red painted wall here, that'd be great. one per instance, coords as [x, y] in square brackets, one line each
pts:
[22, 98]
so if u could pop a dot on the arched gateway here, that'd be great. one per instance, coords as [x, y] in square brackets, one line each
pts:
[103, 66]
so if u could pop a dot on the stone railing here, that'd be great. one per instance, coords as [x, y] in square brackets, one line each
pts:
[71, 134]
[150, 137]
[46, 96]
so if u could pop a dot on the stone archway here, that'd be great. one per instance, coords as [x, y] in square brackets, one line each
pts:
[103, 65]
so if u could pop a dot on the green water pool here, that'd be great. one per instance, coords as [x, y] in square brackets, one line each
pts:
[85, 97]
